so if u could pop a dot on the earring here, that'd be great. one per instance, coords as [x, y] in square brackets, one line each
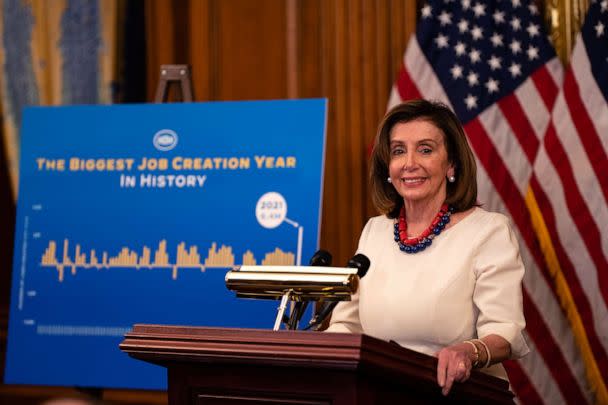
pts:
[389, 180]
[451, 179]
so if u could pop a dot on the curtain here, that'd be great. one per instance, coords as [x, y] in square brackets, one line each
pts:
[53, 53]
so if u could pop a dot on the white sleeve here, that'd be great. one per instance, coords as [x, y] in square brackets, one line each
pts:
[498, 289]
[345, 317]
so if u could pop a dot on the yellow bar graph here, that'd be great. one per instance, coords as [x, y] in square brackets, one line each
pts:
[278, 258]
[248, 259]
[185, 257]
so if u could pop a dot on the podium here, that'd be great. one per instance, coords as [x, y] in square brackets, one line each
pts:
[226, 366]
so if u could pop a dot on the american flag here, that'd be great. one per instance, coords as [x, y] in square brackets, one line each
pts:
[492, 63]
[571, 191]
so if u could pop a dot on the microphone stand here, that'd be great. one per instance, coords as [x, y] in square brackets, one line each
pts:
[316, 320]
[296, 315]
[291, 322]
[320, 258]
[281, 310]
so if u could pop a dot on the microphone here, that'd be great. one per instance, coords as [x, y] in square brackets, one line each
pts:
[359, 262]
[320, 258]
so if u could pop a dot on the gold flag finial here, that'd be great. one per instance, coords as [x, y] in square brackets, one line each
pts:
[564, 19]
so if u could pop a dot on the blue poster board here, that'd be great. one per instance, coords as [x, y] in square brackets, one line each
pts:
[134, 213]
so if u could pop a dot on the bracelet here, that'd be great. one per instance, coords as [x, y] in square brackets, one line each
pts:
[488, 354]
[475, 353]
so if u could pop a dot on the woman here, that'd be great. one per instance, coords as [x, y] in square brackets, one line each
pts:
[445, 275]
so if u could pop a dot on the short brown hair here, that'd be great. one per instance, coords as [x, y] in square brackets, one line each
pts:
[462, 194]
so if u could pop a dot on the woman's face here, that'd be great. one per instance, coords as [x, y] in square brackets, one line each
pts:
[419, 162]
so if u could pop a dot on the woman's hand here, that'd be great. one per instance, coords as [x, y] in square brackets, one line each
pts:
[454, 364]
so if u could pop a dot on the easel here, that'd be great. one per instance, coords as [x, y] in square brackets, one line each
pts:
[169, 75]
[173, 74]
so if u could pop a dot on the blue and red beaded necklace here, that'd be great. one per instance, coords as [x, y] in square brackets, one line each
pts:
[419, 243]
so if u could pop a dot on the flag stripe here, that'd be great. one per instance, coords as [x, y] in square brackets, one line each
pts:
[393, 100]
[535, 109]
[546, 85]
[417, 66]
[586, 131]
[556, 71]
[579, 211]
[594, 101]
[501, 137]
[587, 184]
[584, 175]
[516, 117]
[503, 182]
[588, 156]
[519, 381]
[579, 296]
[577, 309]
[552, 355]
[407, 88]
[538, 374]
[543, 296]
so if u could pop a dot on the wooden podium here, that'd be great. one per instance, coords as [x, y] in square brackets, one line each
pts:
[253, 367]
